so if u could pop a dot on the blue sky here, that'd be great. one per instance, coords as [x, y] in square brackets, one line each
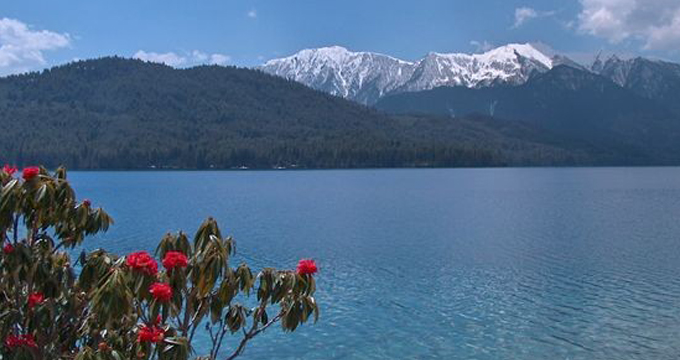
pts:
[39, 33]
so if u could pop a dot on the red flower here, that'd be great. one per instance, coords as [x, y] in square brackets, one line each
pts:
[31, 172]
[143, 262]
[161, 292]
[174, 259]
[87, 202]
[8, 249]
[150, 334]
[35, 299]
[29, 341]
[9, 169]
[306, 267]
[13, 341]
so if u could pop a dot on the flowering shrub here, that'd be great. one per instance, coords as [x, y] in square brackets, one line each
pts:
[115, 307]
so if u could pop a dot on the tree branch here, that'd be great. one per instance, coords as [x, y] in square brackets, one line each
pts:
[251, 334]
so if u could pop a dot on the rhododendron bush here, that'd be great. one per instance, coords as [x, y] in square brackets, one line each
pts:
[109, 306]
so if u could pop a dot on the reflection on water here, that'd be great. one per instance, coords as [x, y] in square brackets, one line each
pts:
[451, 264]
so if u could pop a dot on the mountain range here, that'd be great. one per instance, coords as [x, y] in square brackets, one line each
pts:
[116, 113]
[576, 104]
[367, 77]
[624, 106]
[652, 79]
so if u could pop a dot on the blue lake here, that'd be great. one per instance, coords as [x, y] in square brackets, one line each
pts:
[579, 263]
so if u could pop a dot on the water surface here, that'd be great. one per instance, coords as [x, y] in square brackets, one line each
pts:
[438, 264]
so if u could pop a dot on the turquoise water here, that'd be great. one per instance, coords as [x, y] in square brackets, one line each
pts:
[439, 264]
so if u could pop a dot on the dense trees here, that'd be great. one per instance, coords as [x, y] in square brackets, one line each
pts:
[117, 113]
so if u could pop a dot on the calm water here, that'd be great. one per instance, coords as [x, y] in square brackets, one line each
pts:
[447, 264]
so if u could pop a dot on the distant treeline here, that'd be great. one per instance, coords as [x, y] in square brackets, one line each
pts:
[115, 113]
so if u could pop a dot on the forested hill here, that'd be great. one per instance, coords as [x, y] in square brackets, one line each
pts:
[115, 113]
[572, 102]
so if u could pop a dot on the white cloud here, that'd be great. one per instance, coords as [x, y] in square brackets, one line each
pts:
[524, 14]
[654, 23]
[481, 46]
[192, 58]
[169, 58]
[199, 56]
[252, 13]
[219, 59]
[21, 47]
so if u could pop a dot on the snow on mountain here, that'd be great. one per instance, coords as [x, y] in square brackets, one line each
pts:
[510, 64]
[365, 76]
[360, 76]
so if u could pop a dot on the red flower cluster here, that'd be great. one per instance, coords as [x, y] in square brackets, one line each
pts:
[8, 249]
[35, 299]
[174, 259]
[30, 172]
[14, 341]
[9, 169]
[87, 202]
[161, 292]
[150, 334]
[143, 262]
[306, 267]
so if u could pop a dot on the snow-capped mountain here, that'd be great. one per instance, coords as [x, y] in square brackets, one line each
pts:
[365, 77]
[360, 76]
[510, 64]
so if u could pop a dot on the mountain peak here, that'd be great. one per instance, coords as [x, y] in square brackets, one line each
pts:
[503, 53]
[613, 59]
[511, 50]
[334, 50]
[335, 54]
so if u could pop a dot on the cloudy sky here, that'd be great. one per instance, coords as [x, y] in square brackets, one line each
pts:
[35, 34]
